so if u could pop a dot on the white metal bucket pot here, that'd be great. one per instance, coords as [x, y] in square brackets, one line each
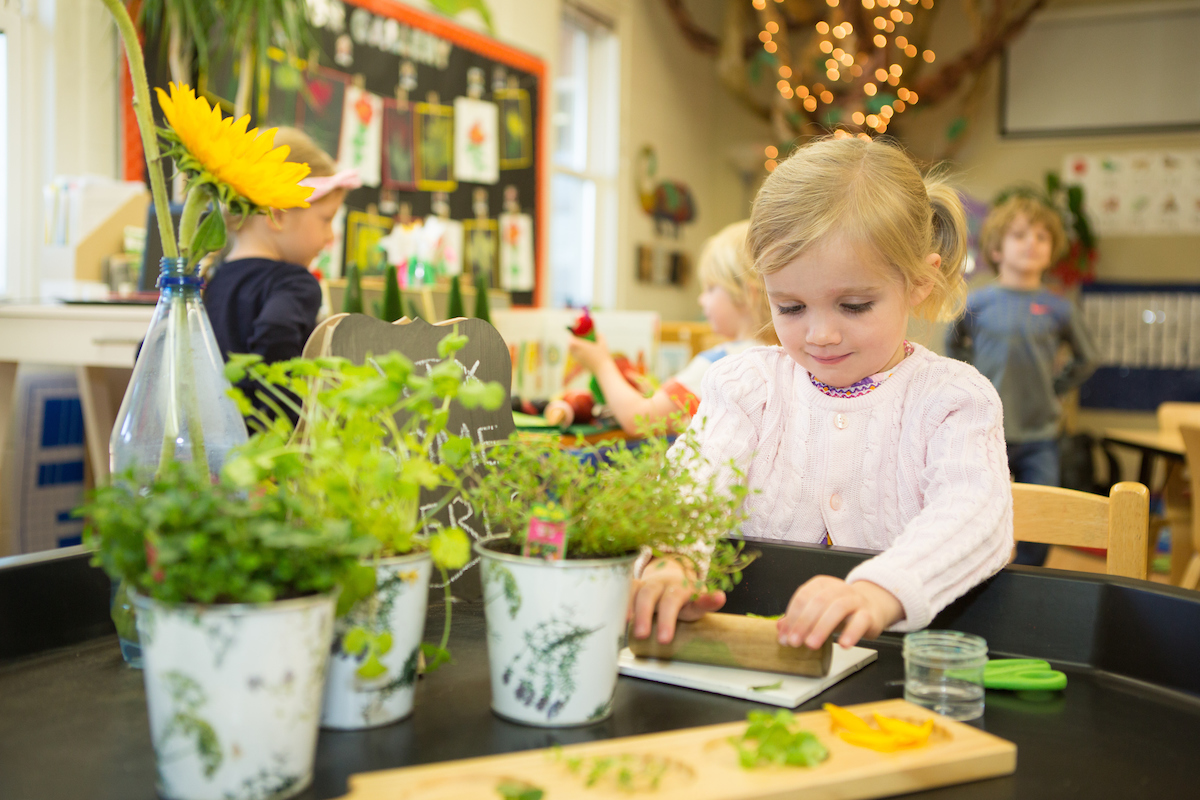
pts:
[234, 693]
[398, 609]
[554, 631]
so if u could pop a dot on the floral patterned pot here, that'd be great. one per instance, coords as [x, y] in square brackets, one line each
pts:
[554, 631]
[397, 608]
[234, 693]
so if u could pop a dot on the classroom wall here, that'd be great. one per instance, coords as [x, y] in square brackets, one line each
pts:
[987, 163]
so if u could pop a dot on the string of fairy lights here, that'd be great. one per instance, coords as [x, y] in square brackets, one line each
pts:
[882, 93]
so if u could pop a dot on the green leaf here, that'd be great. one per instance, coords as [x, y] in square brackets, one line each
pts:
[434, 656]
[372, 668]
[355, 641]
[456, 450]
[451, 344]
[450, 548]
[510, 789]
[209, 236]
[383, 643]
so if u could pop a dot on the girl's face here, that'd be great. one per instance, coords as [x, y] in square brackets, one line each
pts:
[725, 316]
[840, 312]
[305, 232]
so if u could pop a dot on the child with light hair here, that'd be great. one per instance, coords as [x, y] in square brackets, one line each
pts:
[734, 303]
[262, 299]
[1013, 332]
[848, 434]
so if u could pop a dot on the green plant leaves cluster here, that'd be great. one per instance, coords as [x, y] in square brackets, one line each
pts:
[370, 438]
[770, 739]
[185, 539]
[620, 499]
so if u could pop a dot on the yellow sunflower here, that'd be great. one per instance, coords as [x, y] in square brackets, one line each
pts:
[249, 172]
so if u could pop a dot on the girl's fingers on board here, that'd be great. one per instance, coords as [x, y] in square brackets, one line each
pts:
[701, 605]
[644, 604]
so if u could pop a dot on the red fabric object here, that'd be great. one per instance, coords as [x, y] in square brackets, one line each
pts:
[584, 326]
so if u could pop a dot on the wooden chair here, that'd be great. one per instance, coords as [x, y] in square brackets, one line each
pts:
[1119, 523]
[1177, 505]
[1191, 446]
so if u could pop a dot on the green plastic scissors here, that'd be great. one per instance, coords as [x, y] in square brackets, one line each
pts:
[1022, 674]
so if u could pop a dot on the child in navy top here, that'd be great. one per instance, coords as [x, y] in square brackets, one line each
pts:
[263, 299]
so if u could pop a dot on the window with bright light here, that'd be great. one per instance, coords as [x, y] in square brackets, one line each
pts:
[584, 163]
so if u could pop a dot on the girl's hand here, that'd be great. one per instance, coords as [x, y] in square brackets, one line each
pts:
[665, 589]
[824, 602]
[591, 355]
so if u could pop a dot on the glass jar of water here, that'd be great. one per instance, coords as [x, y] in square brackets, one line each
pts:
[943, 671]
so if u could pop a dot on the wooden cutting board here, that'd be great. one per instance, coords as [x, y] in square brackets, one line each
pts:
[700, 764]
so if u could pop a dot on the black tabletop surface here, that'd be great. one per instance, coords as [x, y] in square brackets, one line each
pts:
[73, 720]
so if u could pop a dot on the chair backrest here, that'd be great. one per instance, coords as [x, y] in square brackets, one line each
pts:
[1191, 449]
[1172, 415]
[1119, 523]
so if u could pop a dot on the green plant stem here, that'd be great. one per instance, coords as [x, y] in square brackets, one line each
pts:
[145, 118]
[194, 204]
[449, 602]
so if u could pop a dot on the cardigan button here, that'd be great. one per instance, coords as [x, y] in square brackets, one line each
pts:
[835, 501]
[840, 421]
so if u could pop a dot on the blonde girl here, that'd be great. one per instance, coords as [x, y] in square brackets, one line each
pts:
[262, 299]
[734, 303]
[849, 434]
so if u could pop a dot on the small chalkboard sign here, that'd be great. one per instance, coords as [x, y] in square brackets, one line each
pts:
[485, 357]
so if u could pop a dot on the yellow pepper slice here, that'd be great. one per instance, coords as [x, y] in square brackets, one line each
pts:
[918, 733]
[881, 741]
[848, 719]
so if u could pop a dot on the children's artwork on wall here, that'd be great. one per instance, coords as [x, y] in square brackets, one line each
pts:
[321, 108]
[516, 252]
[399, 168]
[446, 241]
[435, 147]
[363, 234]
[480, 254]
[476, 145]
[362, 135]
[282, 95]
[1139, 193]
[516, 143]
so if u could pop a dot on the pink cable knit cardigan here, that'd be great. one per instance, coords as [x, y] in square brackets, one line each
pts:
[916, 469]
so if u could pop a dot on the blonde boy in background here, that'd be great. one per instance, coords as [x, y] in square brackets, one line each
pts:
[734, 303]
[1012, 332]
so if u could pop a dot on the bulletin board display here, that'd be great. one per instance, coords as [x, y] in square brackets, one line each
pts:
[427, 111]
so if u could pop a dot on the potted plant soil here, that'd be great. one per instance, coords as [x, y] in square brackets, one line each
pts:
[234, 588]
[556, 587]
[371, 448]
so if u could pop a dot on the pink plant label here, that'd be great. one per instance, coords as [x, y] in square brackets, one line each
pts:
[545, 539]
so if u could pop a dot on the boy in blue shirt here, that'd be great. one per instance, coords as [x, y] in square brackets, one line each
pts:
[1012, 332]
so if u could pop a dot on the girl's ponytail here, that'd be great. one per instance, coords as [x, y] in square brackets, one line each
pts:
[948, 238]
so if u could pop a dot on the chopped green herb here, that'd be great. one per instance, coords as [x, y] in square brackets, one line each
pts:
[768, 686]
[519, 790]
[770, 739]
[763, 616]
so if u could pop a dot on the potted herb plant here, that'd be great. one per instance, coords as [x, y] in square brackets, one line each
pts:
[371, 447]
[556, 586]
[234, 591]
